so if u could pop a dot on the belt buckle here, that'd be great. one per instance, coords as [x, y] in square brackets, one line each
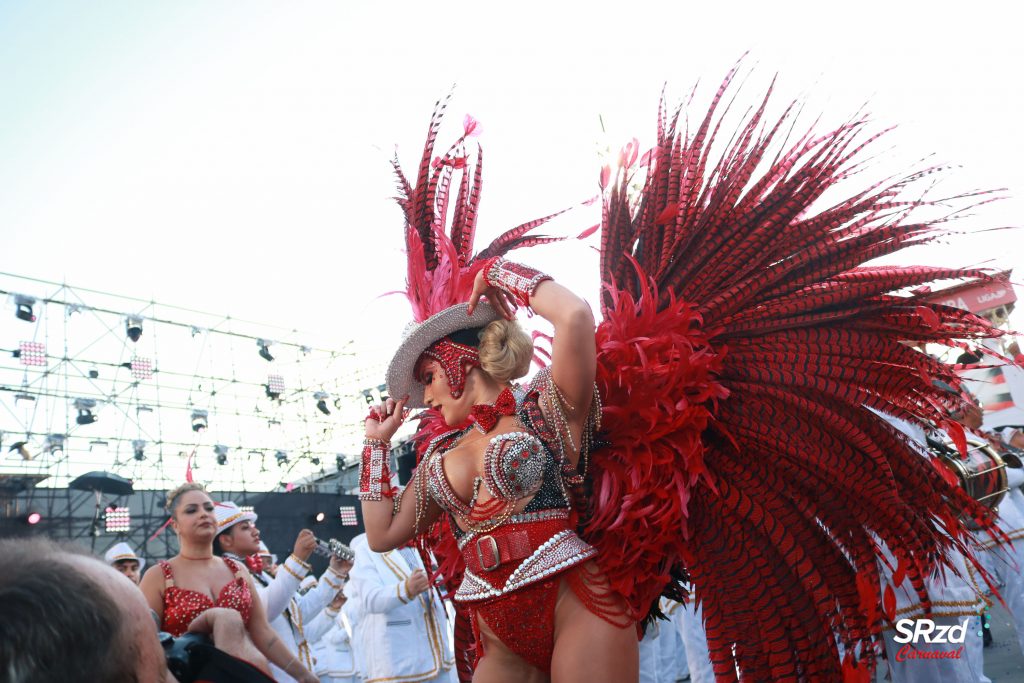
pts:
[494, 549]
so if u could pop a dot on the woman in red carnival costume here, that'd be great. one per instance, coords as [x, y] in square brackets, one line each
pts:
[741, 344]
[181, 589]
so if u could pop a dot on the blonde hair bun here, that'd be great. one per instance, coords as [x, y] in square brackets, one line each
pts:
[505, 350]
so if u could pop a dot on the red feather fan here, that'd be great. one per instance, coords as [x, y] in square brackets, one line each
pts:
[742, 344]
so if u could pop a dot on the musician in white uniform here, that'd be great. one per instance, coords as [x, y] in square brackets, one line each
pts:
[287, 611]
[401, 633]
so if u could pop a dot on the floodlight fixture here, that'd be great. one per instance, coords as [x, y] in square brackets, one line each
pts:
[264, 349]
[117, 520]
[85, 406]
[23, 308]
[200, 420]
[274, 386]
[133, 327]
[54, 443]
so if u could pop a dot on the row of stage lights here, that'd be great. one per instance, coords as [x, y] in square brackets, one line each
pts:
[24, 309]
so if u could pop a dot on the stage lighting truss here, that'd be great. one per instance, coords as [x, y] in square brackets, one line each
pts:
[117, 520]
[32, 353]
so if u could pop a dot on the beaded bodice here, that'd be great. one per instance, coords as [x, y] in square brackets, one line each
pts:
[517, 465]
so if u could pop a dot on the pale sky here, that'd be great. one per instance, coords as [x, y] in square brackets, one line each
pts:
[232, 157]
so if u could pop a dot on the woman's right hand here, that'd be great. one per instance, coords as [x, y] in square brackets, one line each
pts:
[385, 419]
[305, 543]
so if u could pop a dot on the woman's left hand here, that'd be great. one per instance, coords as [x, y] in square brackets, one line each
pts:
[501, 301]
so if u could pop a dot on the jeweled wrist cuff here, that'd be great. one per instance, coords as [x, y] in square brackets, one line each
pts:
[374, 470]
[517, 280]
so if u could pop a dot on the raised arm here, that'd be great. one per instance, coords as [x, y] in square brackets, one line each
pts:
[388, 523]
[574, 352]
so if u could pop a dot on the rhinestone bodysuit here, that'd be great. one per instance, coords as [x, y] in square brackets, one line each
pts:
[514, 560]
[182, 605]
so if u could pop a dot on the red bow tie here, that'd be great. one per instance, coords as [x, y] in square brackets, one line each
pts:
[486, 416]
[254, 563]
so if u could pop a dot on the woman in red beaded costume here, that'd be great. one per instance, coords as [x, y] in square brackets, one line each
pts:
[539, 605]
[741, 344]
[180, 589]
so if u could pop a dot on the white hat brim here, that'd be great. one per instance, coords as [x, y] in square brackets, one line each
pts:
[401, 379]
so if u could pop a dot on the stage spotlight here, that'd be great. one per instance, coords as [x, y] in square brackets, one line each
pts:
[84, 407]
[200, 420]
[282, 457]
[133, 326]
[319, 517]
[264, 349]
[33, 518]
[139, 447]
[339, 461]
[368, 396]
[315, 461]
[23, 308]
[222, 454]
[94, 373]
[54, 444]
[321, 402]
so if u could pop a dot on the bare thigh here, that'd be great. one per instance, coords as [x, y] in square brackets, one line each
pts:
[590, 650]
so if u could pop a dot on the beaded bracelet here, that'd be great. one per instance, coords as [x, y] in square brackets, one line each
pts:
[374, 470]
[515, 279]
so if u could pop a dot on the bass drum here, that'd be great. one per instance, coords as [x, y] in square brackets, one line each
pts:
[982, 474]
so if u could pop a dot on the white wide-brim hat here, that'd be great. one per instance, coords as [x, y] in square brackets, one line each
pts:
[418, 338]
[228, 514]
[122, 551]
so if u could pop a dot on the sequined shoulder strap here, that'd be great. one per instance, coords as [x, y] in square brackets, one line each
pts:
[234, 567]
[165, 566]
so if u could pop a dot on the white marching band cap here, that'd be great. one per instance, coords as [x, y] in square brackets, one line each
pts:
[122, 551]
[228, 514]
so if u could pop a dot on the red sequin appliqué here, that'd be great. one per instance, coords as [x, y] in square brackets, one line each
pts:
[182, 605]
[456, 360]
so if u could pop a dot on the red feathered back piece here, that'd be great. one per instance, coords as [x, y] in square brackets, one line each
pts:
[742, 340]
